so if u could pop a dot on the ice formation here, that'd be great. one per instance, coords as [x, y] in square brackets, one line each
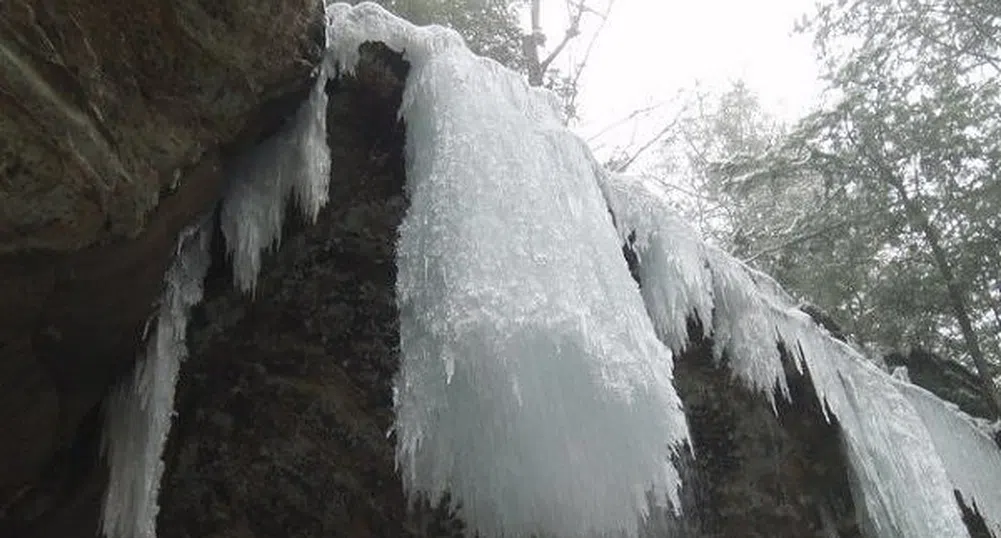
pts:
[536, 377]
[532, 386]
[971, 458]
[908, 450]
[139, 410]
[294, 163]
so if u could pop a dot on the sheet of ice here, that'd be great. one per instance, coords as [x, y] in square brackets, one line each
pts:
[292, 163]
[532, 385]
[899, 476]
[139, 411]
[960, 440]
[682, 276]
[674, 268]
[906, 452]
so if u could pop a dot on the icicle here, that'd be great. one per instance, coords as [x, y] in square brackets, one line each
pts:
[907, 450]
[294, 162]
[533, 387]
[139, 411]
[682, 277]
[972, 460]
[674, 268]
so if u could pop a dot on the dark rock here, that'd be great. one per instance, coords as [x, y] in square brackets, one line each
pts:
[753, 471]
[106, 102]
[286, 401]
[973, 519]
[947, 379]
[116, 121]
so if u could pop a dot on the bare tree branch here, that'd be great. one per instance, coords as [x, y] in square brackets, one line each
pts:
[537, 66]
[623, 166]
[571, 104]
[572, 31]
[632, 115]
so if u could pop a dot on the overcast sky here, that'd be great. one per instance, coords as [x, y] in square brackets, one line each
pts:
[650, 50]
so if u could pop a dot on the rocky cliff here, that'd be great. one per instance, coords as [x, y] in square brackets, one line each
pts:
[119, 125]
[117, 119]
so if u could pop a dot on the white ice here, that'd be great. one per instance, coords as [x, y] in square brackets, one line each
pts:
[533, 387]
[907, 449]
[294, 163]
[139, 410]
[972, 460]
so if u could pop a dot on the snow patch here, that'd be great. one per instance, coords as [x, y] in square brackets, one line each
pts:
[139, 410]
[533, 387]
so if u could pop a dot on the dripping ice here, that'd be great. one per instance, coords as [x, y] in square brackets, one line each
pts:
[139, 411]
[291, 166]
[532, 386]
[908, 449]
[536, 383]
[294, 164]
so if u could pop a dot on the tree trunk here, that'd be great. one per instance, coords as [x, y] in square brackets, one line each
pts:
[530, 46]
[955, 293]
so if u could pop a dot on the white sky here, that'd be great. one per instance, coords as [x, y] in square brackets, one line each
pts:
[651, 49]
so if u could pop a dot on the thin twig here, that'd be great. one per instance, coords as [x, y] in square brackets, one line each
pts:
[572, 31]
[629, 162]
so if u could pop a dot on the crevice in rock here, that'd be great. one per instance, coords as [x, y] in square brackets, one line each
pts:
[972, 518]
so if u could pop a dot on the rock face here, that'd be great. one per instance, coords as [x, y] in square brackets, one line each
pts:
[755, 471]
[116, 121]
[106, 103]
[949, 380]
[119, 125]
[286, 400]
[285, 403]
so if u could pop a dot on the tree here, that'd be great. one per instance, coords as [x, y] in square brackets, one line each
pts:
[491, 28]
[541, 70]
[710, 130]
[906, 165]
